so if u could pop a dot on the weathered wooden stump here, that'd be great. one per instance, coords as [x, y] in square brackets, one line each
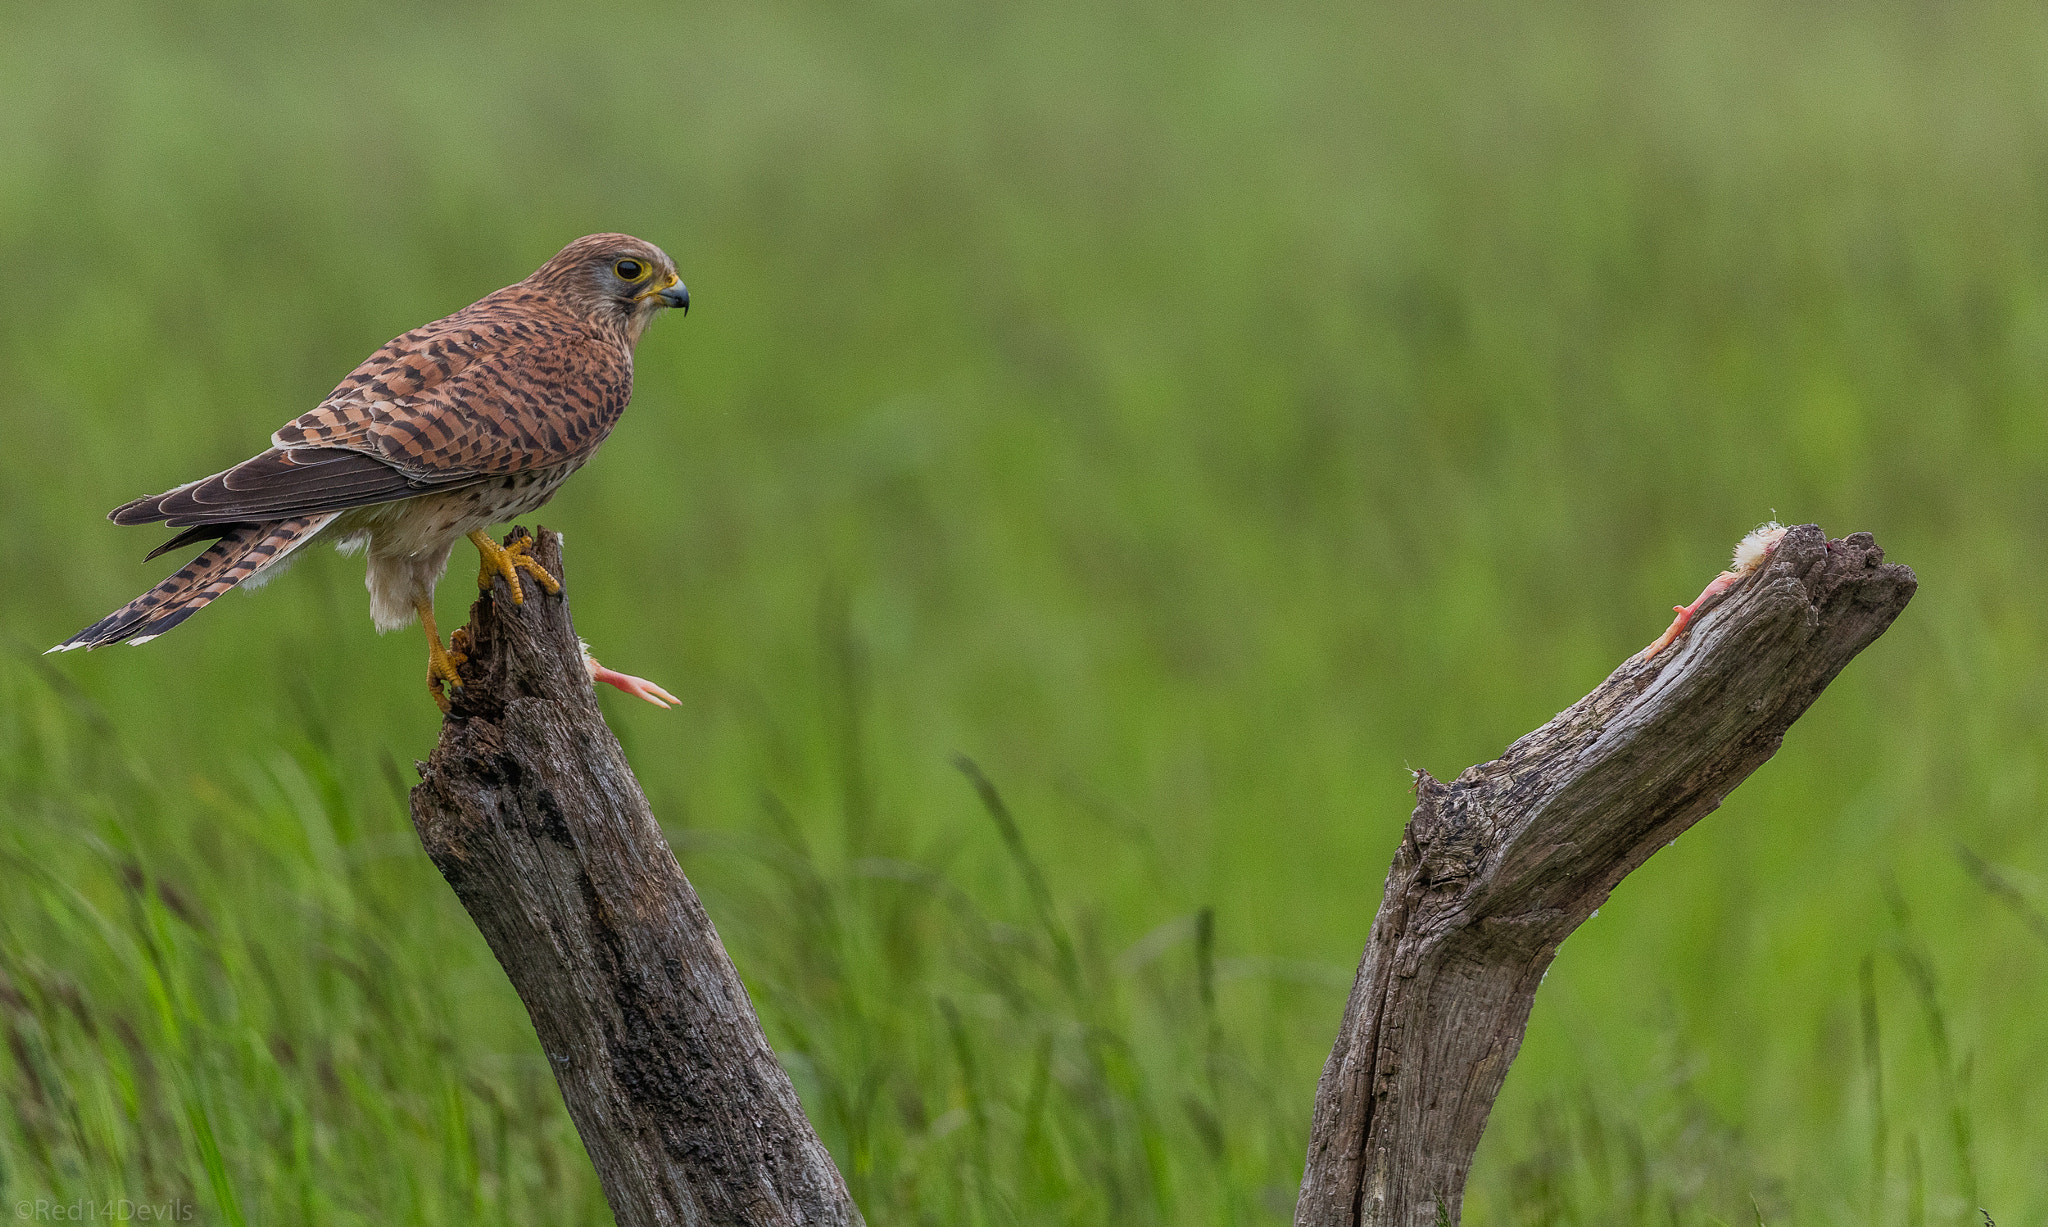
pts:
[1499, 866]
[530, 811]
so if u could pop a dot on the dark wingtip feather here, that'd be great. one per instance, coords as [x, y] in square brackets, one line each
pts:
[193, 536]
[287, 483]
[141, 511]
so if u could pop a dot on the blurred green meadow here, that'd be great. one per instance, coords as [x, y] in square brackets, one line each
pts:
[1196, 415]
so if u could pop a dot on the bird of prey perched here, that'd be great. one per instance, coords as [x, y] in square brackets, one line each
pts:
[467, 422]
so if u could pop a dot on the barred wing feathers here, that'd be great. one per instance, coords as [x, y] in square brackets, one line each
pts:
[436, 409]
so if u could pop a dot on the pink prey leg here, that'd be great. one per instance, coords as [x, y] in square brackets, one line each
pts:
[638, 687]
[1721, 584]
[1750, 554]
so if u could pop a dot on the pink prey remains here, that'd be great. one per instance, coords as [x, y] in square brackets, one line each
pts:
[638, 687]
[1750, 553]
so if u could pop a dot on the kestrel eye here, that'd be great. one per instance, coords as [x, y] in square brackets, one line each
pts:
[630, 270]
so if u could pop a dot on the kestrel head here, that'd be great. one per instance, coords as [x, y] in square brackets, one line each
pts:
[617, 278]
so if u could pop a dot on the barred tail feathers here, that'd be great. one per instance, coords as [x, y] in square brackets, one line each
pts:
[243, 552]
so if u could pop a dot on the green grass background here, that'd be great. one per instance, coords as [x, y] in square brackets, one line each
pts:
[1197, 414]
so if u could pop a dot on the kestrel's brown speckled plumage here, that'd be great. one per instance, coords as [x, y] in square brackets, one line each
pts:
[450, 428]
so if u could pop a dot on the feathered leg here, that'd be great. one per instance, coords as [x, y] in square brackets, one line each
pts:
[243, 552]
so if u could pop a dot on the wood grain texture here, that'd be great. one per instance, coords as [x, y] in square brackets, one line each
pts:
[1499, 866]
[530, 811]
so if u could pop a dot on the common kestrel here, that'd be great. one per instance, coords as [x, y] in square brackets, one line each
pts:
[467, 422]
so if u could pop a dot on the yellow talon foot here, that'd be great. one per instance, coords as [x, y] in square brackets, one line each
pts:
[509, 562]
[441, 663]
[441, 667]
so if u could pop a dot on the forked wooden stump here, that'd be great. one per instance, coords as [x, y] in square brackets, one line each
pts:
[529, 809]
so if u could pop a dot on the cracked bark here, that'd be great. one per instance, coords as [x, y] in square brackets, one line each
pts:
[1499, 866]
[531, 813]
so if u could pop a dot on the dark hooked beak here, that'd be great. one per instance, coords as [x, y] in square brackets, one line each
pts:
[677, 295]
